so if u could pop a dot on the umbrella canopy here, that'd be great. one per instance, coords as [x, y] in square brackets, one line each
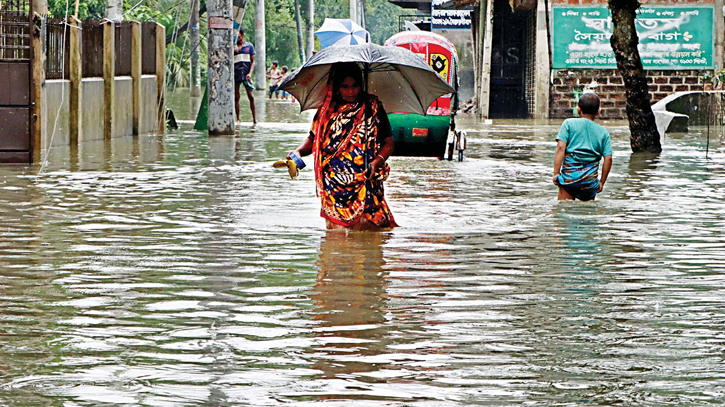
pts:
[402, 80]
[336, 31]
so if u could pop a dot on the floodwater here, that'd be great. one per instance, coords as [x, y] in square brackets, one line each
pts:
[184, 270]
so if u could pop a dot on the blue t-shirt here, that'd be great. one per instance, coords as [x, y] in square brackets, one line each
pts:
[243, 61]
[585, 140]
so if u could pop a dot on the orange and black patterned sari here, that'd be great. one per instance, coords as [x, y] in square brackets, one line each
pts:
[346, 139]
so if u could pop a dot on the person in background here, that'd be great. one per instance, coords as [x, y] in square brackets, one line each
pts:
[274, 74]
[285, 95]
[351, 140]
[580, 146]
[243, 66]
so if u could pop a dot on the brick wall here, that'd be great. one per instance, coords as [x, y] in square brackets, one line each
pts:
[610, 85]
[610, 88]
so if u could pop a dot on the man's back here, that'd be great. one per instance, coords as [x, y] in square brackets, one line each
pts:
[585, 140]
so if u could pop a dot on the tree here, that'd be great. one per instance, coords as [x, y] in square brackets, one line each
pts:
[643, 130]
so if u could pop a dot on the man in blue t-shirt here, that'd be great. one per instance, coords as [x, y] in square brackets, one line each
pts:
[580, 145]
[243, 66]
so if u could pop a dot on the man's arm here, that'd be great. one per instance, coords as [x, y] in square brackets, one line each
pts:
[605, 171]
[251, 67]
[559, 158]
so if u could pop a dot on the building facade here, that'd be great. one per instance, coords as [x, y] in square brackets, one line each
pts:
[534, 58]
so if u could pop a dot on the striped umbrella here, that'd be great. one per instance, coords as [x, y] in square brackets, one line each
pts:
[336, 31]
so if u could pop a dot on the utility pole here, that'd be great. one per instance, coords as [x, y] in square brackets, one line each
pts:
[354, 15]
[260, 46]
[310, 28]
[300, 44]
[357, 12]
[220, 76]
[114, 10]
[194, 34]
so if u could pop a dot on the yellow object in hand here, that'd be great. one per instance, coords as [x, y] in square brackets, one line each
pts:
[291, 167]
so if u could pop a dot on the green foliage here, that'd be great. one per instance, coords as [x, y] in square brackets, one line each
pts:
[382, 19]
[280, 31]
[281, 27]
[87, 9]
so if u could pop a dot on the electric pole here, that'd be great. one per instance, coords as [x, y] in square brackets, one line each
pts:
[300, 44]
[310, 28]
[260, 46]
[220, 75]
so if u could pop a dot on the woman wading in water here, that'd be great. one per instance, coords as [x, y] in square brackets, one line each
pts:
[351, 140]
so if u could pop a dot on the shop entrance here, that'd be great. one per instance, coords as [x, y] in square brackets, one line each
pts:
[508, 62]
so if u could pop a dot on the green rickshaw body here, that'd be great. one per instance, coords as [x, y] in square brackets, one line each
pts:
[415, 134]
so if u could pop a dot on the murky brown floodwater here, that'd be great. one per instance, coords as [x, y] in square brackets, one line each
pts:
[184, 270]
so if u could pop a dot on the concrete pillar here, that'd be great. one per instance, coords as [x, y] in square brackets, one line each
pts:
[542, 69]
[161, 77]
[136, 71]
[484, 95]
[109, 79]
[114, 10]
[354, 12]
[220, 76]
[310, 28]
[75, 62]
[260, 46]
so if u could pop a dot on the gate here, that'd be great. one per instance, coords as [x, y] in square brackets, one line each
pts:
[16, 103]
[508, 62]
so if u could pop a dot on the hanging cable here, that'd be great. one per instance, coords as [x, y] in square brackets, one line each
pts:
[62, 91]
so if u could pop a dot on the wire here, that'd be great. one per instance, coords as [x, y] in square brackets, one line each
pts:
[62, 91]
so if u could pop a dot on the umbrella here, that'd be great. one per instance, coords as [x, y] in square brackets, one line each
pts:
[399, 78]
[336, 31]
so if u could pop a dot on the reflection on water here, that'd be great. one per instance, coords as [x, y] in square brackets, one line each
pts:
[184, 270]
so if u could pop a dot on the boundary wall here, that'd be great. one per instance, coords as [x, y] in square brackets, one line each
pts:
[81, 106]
[567, 84]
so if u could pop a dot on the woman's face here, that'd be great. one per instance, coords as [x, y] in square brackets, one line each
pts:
[349, 90]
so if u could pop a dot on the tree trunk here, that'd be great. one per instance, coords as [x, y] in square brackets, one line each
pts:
[644, 135]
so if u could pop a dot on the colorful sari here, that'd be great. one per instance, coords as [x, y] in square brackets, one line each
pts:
[346, 140]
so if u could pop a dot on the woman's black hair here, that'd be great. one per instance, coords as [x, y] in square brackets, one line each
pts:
[589, 103]
[342, 70]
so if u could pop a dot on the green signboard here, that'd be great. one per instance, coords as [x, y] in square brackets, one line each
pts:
[670, 37]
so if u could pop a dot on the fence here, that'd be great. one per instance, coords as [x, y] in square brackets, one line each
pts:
[148, 48]
[15, 30]
[123, 36]
[57, 48]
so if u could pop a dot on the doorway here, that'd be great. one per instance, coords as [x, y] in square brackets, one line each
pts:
[508, 62]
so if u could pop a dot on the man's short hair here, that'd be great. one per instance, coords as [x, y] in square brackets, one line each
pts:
[241, 31]
[589, 103]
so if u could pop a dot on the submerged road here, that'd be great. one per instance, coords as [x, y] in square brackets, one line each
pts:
[184, 270]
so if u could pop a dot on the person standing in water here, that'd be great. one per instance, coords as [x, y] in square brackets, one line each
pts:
[351, 140]
[243, 66]
[580, 146]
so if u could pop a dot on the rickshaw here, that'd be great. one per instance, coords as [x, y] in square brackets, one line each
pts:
[434, 134]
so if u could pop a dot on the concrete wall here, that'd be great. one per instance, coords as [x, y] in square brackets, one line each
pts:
[56, 112]
[92, 109]
[149, 104]
[124, 106]
[57, 100]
